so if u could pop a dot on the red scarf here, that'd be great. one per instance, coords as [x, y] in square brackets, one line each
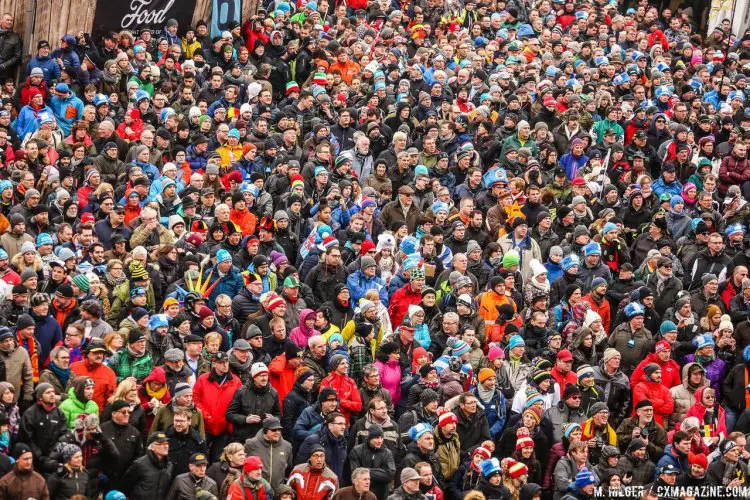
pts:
[30, 346]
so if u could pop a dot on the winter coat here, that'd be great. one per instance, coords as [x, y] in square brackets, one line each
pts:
[400, 302]
[18, 372]
[347, 392]
[213, 398]
[72, 407]
[185, 486]
[323, 278]
[359, 284]
[148, 478]
[414, 455]
[631, 356]
[617, 392]
[313, 483]
[295, 402]
[165, 416]
[716, 370]
[672, 456]
[390, 378]
[657, 436]
[392, 212]
[182, 446]
[335, 450]
[448, 450]
[381, 464]
[495, 411]
[561, 414]
[733, 170]
[734, 387]
[642, 470]
[277, 457]
[251, 400]
[22, 484]
[530, 252]
[66, 482]
[230, 284]
[659, 395]
[670, 371]
[48, 333]
[41, 429]
[565, 473]
[684, 396]
[666, 298]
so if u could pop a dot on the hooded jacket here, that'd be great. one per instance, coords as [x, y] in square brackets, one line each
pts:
[684, 395]
[76, 403]
[670, 371]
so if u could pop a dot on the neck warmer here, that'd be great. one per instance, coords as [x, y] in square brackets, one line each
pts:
[236, 365]
[112, 281]
[485, 394]
[61, 374]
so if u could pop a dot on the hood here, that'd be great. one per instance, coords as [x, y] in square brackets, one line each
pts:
[528, 491]
[580, 334]
[305, 314]
[608, 451]
[156, 375]
[686, 372]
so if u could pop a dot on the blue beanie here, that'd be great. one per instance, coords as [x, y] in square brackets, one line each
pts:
[409, 245]
[491, 466]
[634, 309]
[609, 227]
[730, 230]
[460, 347]
[419, 430]
[667, 326]
[584, 478]
[516, 341]
[223, 256]
[567, 431]
[592, 248]
[675, 200]
[570, 261]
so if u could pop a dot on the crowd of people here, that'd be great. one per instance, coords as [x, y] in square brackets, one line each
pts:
[403, 250]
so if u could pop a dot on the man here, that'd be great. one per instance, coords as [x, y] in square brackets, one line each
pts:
[662, 357]
[150, 233]
[471, 424]
[422, 449]
[187, 484]
[184, 441]
[326, 275]
[22, 481]
[712, 261]
[409, 294]
[372, 454]
[676, 454]
[42, 425]
[132, 361]
[401, 210]
[345, 387]
[313, 417]
[274, 450]
[522, 242]
[127, 440]
[18, 368]
[362, 487]
[631, 339]
[409, 488]
[707, 295]
[566, 411]
[652, 389]
[633, 428]
[636, 461]
[313, 479]
[212, 395]
[253, 403]
[114, 224]
[447, 444]
[729, 471]
[251, 484]
[151, 475]
[562, 372]
[181, 399]
[314, 358]
[598, 430]
[616, 386]
[332, 438]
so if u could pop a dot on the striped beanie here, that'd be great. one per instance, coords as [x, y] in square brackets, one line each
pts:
[460, 347]
[524, 439]
[446, 417]
[584, 371]
[517, 470]
[137, 271]
[292, 87]
[320, 79]
[81, 281]
[534, 412]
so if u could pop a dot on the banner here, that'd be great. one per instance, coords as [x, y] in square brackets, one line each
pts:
[734, 10]
[224, 13]
[134, 15]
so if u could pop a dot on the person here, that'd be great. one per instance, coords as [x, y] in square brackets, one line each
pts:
[42, 425]
[273, 449]
[17, 367]
[332, 438]
[345, 387]
[729, 466]
[79, 400]
[184, 441]
[150, 474]
[250, 480]
[312, 479]
[23, 481]
[360, 488]
[258, 397]
[190, 483]
[127, 440]
[71, 478]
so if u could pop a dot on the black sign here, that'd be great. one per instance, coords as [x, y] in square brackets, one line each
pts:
[134, 15]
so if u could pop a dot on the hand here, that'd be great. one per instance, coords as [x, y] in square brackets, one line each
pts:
[736, 483]
[252, 419]
[636, 433]
[592, 443]
[297, 478]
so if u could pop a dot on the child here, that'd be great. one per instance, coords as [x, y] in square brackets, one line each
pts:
[211, 345]
[336, 345]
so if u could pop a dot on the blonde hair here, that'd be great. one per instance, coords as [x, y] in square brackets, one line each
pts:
[122, 391]
[373, 296]
[230, 450]
[211, 336]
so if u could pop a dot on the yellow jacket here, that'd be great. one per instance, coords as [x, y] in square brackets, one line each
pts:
[229, 155]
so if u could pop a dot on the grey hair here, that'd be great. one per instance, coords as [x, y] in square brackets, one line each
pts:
[57, 350]
[359, 472]
[450, 315]
[369, 369]
[141, 251]
[315, 339]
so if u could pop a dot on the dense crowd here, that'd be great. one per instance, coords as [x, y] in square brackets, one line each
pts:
[403, 250]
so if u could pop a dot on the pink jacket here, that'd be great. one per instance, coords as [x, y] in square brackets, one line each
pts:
[301, 334]
[390, 378]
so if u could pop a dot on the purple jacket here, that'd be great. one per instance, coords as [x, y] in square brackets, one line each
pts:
[715, 372]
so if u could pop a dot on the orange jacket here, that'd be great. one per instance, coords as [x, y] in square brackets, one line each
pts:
[488, 303]
[348, 70]
[245, 219]
[602, 309]
[105, 381]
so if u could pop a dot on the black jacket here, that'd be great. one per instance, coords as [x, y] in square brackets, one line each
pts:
[294, 403]
[472, 430]
[381, 464]
[10, 53]
[251, 401]
[129, 445]
[182, 447]
[41, 429]
[243, 305]
[65, 483]
[414, 455]
[148, 478]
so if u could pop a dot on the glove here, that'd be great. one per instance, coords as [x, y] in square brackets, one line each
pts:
[298, 478]
[327, 485]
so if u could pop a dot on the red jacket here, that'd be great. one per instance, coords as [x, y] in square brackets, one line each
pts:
[105, 381]
[670, 372]
[213, 401]
[311, 484]
[27, 86]
[347, 391]
[658, 395]
[733, 170]
[563, 380]
[718, 428]
[281, 376]
[400, 302]
[602, 309]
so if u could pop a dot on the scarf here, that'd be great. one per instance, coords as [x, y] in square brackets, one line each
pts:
[661, 282]
[730, 470]
[704, 360]
[30, 346]
[112, 281]
[156, 394]
[434, 384]
[62, 375]
[246, 482]
[485, 394]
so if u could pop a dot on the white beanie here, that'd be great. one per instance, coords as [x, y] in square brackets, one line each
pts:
[537, 268]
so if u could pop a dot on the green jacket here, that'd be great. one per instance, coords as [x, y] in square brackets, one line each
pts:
[601, 126]
[121, 299]
[125, 365]
[514, 141]
[72, 407]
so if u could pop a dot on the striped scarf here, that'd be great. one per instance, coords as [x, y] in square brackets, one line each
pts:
[30, 346]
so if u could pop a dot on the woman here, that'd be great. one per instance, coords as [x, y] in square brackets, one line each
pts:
[428, 379]
[572, 433]
[128, 391]
[415, 315]
[384, 319]
[711, 321]
[70, 479]
[167, 259]
[153, 394]
[468, 475]
[710, 414]
[79, 400]
[389, 369]
[113, 341]
[582, 348]
[114, 276]
[517, 476]
[228, 468]
[526, 455]
[9, 410]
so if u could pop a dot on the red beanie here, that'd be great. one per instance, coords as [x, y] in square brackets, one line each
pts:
[698, 459]
[204, 313]
[366, 247]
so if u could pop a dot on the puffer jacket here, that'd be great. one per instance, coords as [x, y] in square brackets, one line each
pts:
[311, 420]
[716, 370]
[250, 400]
[67, 482]
[560, 414]
[244, 304]
[733, 170]
[684, 396]
[658, 395]
[380, 462]
[277, 457]
[495, 410]
[448, 450]
[74, 405]
[295, 403]
[670, 371]
[148, 478]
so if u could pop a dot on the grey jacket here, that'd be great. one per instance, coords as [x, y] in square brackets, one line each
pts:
[561, 414]
[277, 457]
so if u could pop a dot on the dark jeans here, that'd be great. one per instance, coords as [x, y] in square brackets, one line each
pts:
[216, 445]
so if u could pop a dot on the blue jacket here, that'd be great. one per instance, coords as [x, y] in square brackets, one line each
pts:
[571, 164]
[48, 333]
[69, 56]
[309, 422]
[197, 161]
[495, 411]
[49, 67]
[554, 271]
[358, 285]
[672, 457]
[659, 187]
[335, 449]
[151, 171]
[230, 284]
[28, 120]
[397, 282]
[67, 111]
